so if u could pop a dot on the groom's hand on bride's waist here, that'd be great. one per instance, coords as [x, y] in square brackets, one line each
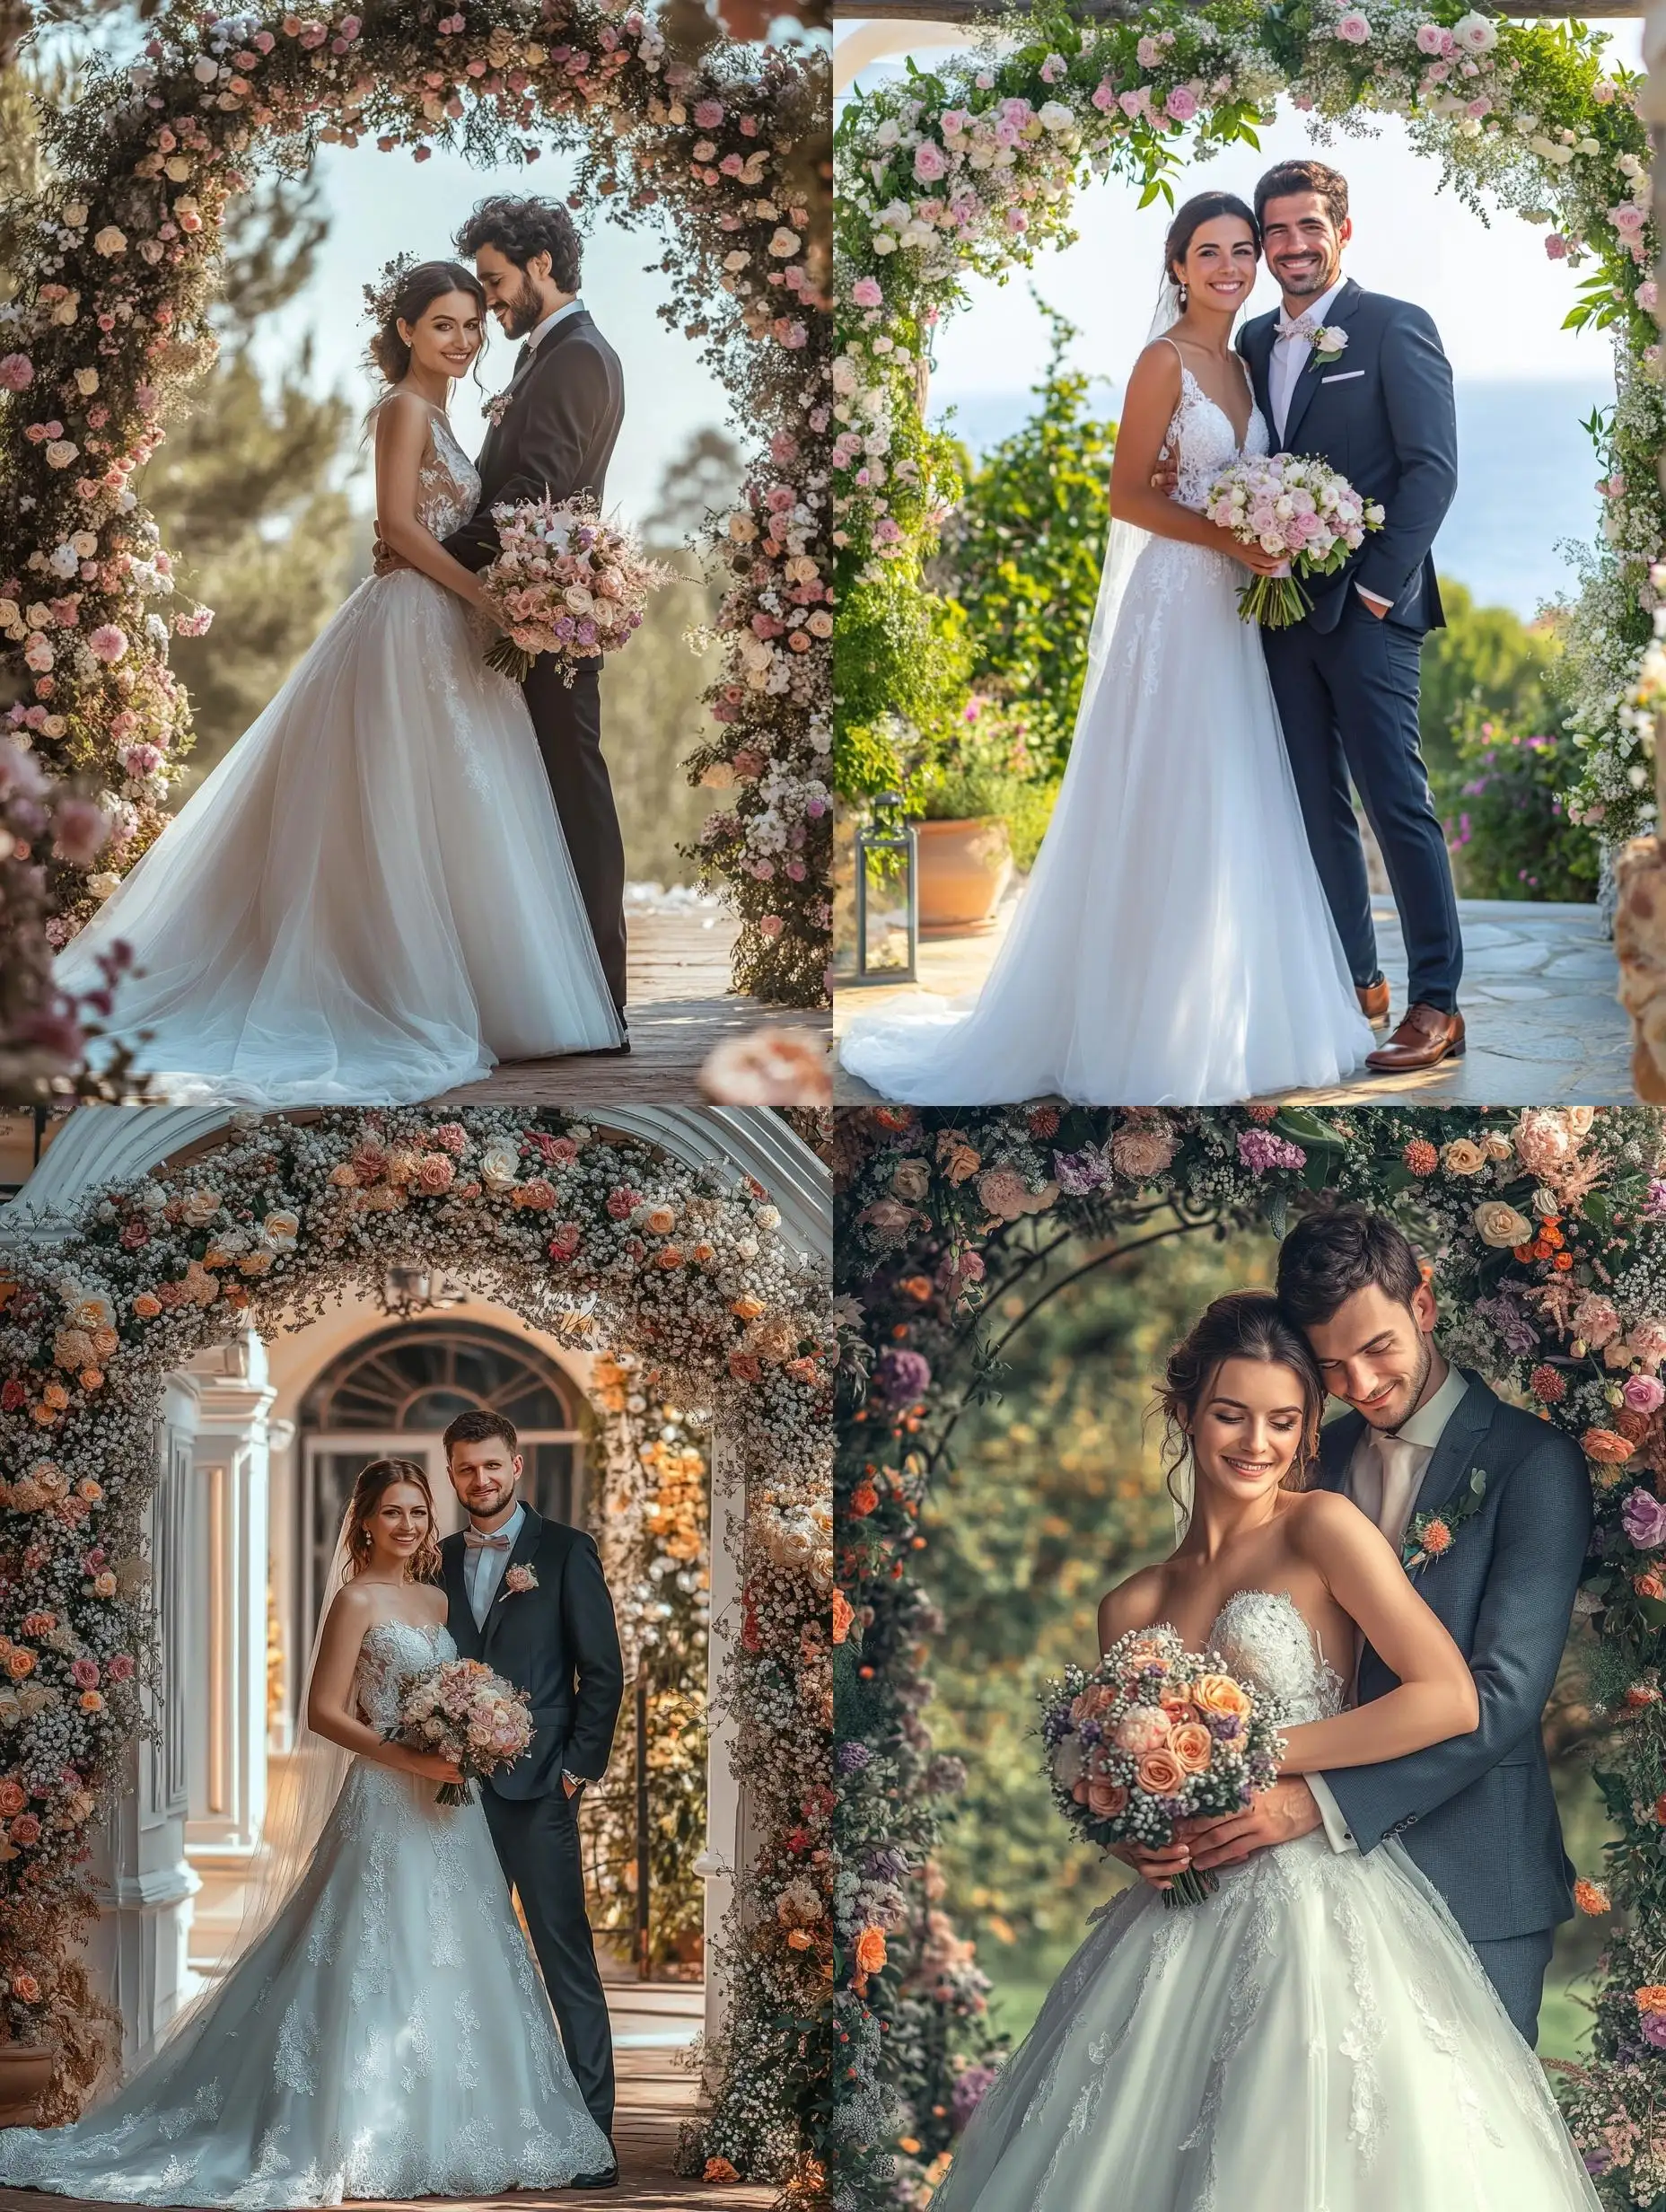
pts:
[384, 560]
[1165, 477]
[1279, 1815]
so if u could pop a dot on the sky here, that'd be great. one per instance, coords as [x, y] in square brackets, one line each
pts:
[1495, 297]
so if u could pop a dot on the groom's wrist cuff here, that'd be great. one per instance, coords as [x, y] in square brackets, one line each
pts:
[1372, 598]
[1337, 1830]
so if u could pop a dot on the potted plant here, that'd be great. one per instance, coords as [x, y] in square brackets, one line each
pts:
[25, 2076]
[966, 800]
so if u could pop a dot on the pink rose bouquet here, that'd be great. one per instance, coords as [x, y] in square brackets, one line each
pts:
[464, 1712]
[1154, 1734]
[1294, 505]
[563, 582]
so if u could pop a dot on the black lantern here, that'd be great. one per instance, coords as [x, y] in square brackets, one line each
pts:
[888, 895]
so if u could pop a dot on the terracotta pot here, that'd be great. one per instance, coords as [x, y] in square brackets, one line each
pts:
[964, 867]
[25, 2076]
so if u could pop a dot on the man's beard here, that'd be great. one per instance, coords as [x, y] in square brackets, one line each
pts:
[1309, 288]
[526, 310]
[1419, 1383]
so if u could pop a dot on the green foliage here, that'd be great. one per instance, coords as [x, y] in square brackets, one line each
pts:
[652, 716]
[1028, 544]
[901, 671]
[1486, 663]
[1505, 809]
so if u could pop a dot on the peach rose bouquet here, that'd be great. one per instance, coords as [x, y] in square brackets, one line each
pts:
[563, 582]
[465, 1712]
[1154, 1734]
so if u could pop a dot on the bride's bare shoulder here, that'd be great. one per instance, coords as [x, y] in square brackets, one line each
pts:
[1136, 1603]
[1316, 1522]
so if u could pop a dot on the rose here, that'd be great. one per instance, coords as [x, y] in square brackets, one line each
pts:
[1606, 1447]
[1645, 1518]
[1463, 1157]
[14, 1798]
[1643, 1394]
[1160, 1773]
[1142, 1728]
[500, 1163]
[870, 1951]
[911, 1180]
[1193, 1746]
[1353, 29]
[1500, 1226]
[435, 1173]
[1219, 1694]
[1107, 1799]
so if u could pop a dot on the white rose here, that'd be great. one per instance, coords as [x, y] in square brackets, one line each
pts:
[109, 241]
[1500, 1226]
[500, 1163]
[102, 886]
[1055, 116]
[86, 382]
[176, 168]
[76, 214]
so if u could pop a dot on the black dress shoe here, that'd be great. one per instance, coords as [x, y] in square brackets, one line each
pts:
[609, 2179]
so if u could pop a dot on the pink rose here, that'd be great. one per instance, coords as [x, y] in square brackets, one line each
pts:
[84, 1673]
[865, 291]
[1354, 30]
[1430, 39]
[930, 161]
[1182, 104]
[1103, 95]
[1643, 1394]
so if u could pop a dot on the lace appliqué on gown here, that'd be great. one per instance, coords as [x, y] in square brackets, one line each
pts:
[365, 2047]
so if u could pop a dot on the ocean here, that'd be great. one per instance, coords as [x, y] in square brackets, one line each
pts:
[1527, 477]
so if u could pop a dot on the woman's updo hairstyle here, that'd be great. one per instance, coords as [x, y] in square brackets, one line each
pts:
[1189, 218]
[1246, 1324]
[404, 293]
[375, 1481]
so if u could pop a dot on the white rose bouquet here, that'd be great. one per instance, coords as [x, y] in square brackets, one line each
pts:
[563, 582]
[1155, 1734]
[464, 1712]
[1291, 505]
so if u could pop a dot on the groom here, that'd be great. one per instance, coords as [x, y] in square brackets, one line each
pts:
[1360, 380]
[1476, 1813]
[527, 1596]
[553, 431]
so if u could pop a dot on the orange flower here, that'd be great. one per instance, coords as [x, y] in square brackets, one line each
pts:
[146, 1306]
[1604, 1444]
[19, 1663]
[26, 1987]
[1563, 1260]
[800, 1939]
[92, 1701]
[1193, 1746]
[844, 1613]
[1218, 1693]
[1421, 1157]
[1437, 1537]
[864, 1499]
[718, 2170]
[871, 1953]
[1660, 1808]
[909, 2145]
[915, 1287]
[1104, 1800]
[1591, 1896]
[1652, 1998]
[1160, 1773]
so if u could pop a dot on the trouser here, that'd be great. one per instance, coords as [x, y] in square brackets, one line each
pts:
[1516, 1966]
[537, 1843]
[567, 721]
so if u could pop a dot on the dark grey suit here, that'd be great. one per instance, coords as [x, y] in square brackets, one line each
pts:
[556, 435]
[1346, 683]
[559, 1642]
[1478, 1813]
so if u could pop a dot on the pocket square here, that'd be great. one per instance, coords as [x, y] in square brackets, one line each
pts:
[1346, 377]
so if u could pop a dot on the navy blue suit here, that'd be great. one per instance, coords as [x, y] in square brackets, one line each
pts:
[1346, 682]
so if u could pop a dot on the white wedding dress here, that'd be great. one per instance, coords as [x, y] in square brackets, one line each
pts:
[387, 2037]
[370, 900]
[1317, 2036]
[1174, 946]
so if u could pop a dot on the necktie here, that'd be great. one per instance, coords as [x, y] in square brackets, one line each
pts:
[1402, 1465]
[523, 356]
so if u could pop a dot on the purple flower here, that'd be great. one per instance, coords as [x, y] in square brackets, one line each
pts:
[1519, 1335]
[901, 1376]
[969, 2091]
[1597, 2161]
[1654, 1205]
[852, 1757]
[1643, 1517]
[1259, 1149]
[1654, 2029]
[1080, 1173]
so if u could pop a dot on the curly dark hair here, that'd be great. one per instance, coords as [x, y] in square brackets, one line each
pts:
[1331, 1254]
[520, 228]
[1288, 177]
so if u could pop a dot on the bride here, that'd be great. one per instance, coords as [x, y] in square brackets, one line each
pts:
[370, 899]
[385, 2033]
[1317, 2035]
[1174, 946]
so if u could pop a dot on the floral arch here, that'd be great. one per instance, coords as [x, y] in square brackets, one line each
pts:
[117, 259]
[972, 166]
[679, 1274]
[1546, 1232]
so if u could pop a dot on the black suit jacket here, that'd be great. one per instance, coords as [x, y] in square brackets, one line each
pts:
[558, 1641]
[1383, 413]
[555, 435]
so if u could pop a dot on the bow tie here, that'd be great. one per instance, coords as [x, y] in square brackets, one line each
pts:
[1299, 326]
[474, 1542]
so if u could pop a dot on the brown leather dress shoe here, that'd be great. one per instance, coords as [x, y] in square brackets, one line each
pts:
[1424, 1038]
[1373, 1001]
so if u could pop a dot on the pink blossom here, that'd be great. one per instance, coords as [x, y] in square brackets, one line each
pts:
[770, 927]
[1627, 219]
[1182, 104]
[17, 372]
[1643, 1394]
[108, 642]
[1430, 38]
[865, 291]
[1353, 29]
[1104, 95]
[708, 114]
[1556, 246]
[80, 830]
[930, 161]
[1648, 296]
[1053, 68]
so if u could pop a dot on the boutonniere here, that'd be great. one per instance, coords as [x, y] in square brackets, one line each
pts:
[1430, 1535]
[519, 1578]
[496, 409]
[1330, 342]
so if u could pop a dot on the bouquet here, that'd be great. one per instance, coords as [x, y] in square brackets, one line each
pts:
[1155, 1734]
[564, 581]
[464, 1712]
[1293, 505]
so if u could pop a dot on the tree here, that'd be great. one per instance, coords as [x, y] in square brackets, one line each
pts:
[1486, 665]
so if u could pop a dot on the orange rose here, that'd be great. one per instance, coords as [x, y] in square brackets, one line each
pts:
[800, 1939]
[864, 1499]
[1590, 1896]
[870, 1950]
[1105, 1799]
[1652, 1998]
[844, 1613]
[1218, 1693]
[19, 1663]
[1603, 1444]
[718, 2170]
[1178, 1705]
[26, 1987]
[146, 1306]
[1648, 1584]
[1160, 1773]
[92, 1701]
[14, 1798]
[1193, 1746]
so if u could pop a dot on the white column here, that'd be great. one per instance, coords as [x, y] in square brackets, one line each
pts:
[728, 1842]
[227, 1606]
[136, 1952]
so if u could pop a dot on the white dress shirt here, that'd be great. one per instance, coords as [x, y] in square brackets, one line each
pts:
[1291, 356]
[484, 1565]
[536, 338]
[1383, 1478]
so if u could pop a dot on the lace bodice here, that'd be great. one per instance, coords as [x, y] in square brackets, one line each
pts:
[448, 483]
[1201, 439]
[1262, 1638]
[393, 1651]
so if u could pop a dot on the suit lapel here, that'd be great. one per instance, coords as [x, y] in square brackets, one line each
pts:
[1258, 353]
[1451, 1459]
[1308, 382]
[525, 1545]
[464, 1634]
[524, 376]
[1337, 1441]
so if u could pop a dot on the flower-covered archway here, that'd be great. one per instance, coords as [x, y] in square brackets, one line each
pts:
[117, 261]
[970, 167]
[1546, 1232]
[606, 1244]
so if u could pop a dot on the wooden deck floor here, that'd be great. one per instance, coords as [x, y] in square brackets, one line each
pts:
[679, 1007]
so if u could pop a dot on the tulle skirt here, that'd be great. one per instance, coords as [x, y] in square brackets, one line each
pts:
[370, 899]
